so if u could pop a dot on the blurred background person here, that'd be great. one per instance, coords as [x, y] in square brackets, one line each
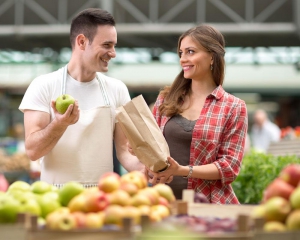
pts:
[263, 131]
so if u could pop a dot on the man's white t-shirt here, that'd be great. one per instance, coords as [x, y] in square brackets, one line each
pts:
[47, 87]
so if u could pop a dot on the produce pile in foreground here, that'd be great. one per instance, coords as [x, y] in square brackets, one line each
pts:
[280, 207]
[74, 207]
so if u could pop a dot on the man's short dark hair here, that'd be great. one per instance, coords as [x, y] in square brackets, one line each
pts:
[87, 21]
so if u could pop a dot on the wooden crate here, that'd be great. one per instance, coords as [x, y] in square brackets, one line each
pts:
[27, 229]
[285, 147]
[125, 233]
[214, 210]
[15, 231]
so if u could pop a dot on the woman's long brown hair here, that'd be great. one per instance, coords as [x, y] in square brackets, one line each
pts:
[213, 41]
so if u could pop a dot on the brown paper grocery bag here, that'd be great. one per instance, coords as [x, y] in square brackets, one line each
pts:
[143, 134]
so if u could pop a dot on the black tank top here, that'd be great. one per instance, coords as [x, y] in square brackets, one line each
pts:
[178, 133]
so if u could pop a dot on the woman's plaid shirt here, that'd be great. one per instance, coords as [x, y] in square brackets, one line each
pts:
[218, 137]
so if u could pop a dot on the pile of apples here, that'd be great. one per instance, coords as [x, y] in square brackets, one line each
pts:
[280, 207]
[75, 207]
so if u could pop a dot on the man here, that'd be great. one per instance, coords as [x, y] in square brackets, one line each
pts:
[78, 145]
[263, 131]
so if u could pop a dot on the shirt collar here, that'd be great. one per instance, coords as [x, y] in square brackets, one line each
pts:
[218, 92]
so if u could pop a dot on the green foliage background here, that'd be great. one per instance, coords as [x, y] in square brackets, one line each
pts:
[257, 172]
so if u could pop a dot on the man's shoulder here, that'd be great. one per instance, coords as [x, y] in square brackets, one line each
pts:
[48, 77]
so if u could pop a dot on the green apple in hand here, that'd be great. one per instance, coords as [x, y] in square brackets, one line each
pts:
[62, 103]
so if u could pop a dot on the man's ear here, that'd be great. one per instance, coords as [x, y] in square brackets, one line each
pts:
[81, 41]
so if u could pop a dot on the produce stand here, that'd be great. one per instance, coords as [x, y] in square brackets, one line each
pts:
[285, 147]
[247, 229]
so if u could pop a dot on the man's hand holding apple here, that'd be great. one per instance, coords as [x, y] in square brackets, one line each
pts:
[71, 115]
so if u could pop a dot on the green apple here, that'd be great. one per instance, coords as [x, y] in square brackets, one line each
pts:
[41, 187]
[19, 194]
[20, 185]
[47, 203]
[68, 191]
[9, 209]
[30, 205]
[62, 103]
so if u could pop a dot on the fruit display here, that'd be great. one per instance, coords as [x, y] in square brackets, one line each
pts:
[75, 207]
[280, 206]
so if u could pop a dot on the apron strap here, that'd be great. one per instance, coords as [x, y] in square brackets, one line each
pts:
[103, 90]
[63, 86]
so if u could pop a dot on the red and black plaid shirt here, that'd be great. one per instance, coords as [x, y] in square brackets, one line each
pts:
[218, 137]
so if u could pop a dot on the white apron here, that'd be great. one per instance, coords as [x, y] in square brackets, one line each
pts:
[85, 151]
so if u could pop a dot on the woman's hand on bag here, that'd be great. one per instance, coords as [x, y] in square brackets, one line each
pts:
[164, 176]
[130, 149]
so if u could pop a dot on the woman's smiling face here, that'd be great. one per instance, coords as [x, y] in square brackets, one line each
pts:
[194, 59]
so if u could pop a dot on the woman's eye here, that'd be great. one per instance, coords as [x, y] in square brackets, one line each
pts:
[190, 51]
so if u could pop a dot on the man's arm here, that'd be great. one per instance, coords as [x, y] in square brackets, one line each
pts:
[128, 161]
[41, 135]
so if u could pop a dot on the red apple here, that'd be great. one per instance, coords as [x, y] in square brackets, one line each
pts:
[132, 212]
[278, 188]
[51, 219]
[80, 218]
[151, 193]
[65, 222]
[96, 201]
[135, 177]
[277, 209]
[144, 209]
[165, 191]
[291, 174]
[293, 220]
[140, 199]
[163, 201]
[274, 226]
[131, 188]
[119, 197]
[3, 183]
[93, 221]
[78, 203]
[160, 210]
[109, 182]
[113, 214]
[295, 198]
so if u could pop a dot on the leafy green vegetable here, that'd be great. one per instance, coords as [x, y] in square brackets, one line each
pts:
[257, 172]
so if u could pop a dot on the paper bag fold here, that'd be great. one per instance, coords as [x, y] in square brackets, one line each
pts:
[143, 134]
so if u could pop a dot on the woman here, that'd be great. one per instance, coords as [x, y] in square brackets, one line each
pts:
[204, 126]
